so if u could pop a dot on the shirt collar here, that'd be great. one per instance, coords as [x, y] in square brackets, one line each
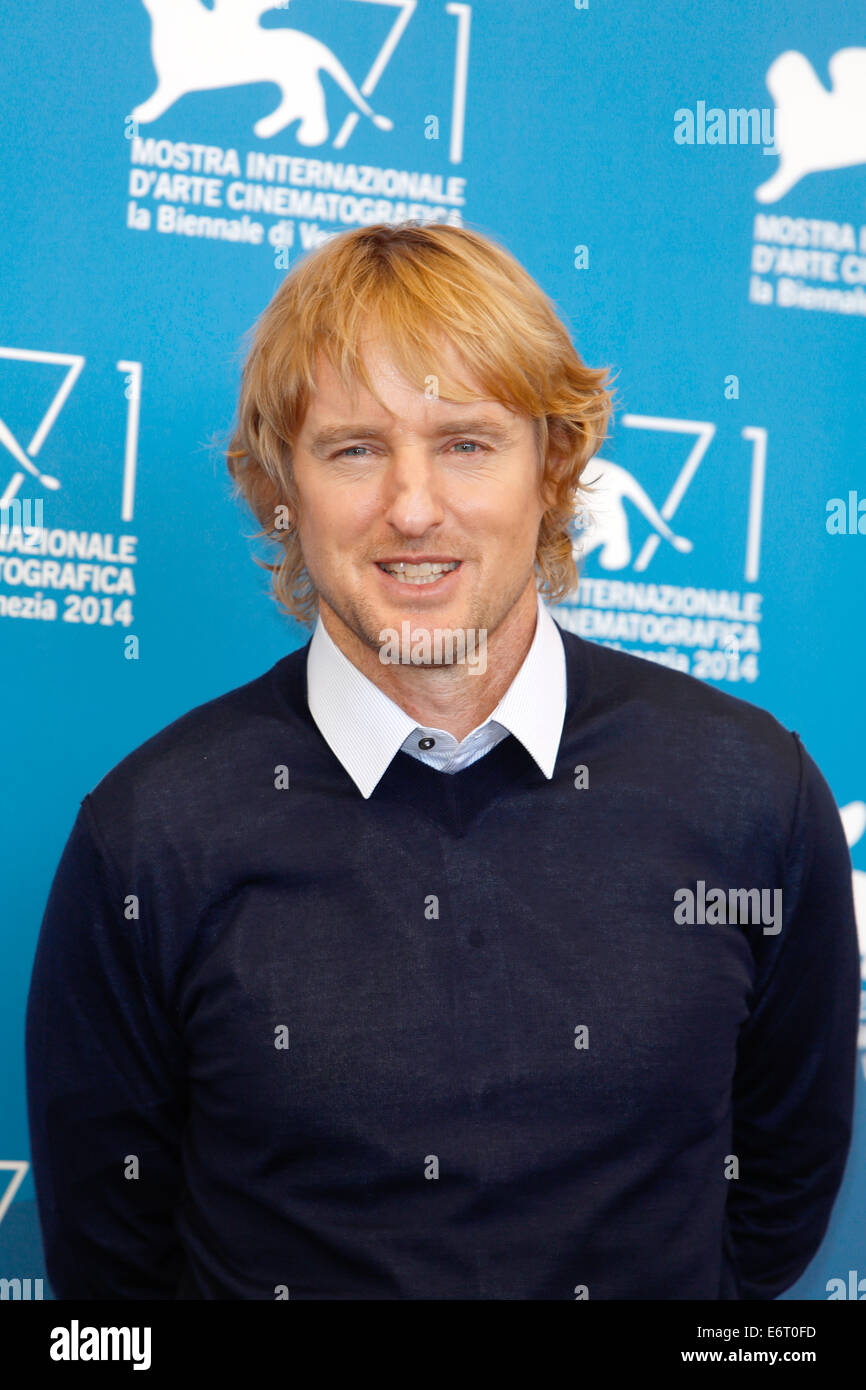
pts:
[365, 729]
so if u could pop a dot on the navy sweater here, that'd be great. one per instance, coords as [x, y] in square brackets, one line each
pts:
[451, 1042]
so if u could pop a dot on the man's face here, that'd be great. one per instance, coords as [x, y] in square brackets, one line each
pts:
[423, 479]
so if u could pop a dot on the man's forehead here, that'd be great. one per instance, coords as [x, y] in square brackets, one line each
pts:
[331, 392]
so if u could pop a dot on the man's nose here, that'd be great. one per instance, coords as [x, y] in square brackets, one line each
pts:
[413, 489]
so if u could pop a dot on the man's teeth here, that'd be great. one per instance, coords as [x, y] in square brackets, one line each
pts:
[419, 574]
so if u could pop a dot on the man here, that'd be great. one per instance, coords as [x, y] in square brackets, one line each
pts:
[517, 969]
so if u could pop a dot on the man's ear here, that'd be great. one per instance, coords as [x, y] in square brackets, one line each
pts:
[556, 462]
[547, 483]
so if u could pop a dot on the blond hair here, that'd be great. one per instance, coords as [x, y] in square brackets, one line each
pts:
[417, 285]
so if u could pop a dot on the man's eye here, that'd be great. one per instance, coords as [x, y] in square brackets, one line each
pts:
[351, 451]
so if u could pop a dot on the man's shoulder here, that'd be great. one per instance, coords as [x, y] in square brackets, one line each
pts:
[680, 712]
[208, 750]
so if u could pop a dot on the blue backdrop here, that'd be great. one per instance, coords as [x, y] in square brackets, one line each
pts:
[686, 181]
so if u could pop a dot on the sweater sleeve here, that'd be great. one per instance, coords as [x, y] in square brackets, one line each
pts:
[793, 1093]
[104, 1089]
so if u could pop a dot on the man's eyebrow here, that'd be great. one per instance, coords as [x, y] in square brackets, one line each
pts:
[333, 434]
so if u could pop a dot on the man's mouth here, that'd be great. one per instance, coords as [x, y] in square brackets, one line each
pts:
[426, 573]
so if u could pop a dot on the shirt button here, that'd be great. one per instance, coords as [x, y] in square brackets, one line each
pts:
[427, 743]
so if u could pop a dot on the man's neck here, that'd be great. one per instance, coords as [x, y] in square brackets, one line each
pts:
[448, 697]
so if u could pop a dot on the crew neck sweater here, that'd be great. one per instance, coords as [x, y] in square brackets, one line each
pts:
[450, 1041]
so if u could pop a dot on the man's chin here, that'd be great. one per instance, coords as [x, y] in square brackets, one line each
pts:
[398, 616]
[375, 620]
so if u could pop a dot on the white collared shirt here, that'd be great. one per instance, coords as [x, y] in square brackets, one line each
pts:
[365, 729]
